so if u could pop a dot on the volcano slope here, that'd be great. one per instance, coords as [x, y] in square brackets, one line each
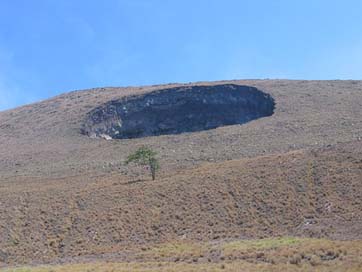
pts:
[240, 160]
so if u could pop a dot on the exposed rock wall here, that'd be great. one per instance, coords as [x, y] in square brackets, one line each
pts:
[178, 110]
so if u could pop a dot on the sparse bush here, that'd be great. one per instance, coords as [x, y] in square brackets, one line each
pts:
[314, 261]
[145, 156]
[295, 259]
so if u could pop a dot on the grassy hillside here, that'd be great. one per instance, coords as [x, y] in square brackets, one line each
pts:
[222, 194]
[279, 254]
[305, 193]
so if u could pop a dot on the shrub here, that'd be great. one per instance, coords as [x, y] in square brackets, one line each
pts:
[145, 156]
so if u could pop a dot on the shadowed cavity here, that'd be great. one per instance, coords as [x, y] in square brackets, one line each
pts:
[178, 110]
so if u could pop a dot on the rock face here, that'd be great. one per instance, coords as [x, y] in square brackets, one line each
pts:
[178, 110]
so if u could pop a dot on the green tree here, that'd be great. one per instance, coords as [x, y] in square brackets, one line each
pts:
[145, 156]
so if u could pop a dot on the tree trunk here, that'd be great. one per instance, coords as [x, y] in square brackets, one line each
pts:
[153, 173]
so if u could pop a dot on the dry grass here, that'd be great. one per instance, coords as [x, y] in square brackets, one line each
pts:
[262, 244]
[279, 254]
[216, 202]
[172, 267]
[297, 173]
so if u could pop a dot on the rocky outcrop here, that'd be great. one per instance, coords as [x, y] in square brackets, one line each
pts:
[178, 110]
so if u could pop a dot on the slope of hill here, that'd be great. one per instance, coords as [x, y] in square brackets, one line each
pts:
[44, 138]
[314, 194]
[66, 196]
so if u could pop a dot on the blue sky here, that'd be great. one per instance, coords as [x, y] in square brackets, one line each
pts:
[49, 47]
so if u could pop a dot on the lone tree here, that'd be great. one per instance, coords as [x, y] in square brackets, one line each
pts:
[145, 156]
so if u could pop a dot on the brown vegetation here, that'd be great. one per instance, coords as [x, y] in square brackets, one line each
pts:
[314, 194]
[278, 254]
[65, 197]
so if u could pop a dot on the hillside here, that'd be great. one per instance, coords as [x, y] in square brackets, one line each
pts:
[292, 169]
[44, 139]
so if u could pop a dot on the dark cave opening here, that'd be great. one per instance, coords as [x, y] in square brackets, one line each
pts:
[178, 110]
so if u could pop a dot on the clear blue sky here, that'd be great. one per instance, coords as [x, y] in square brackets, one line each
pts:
[49, 47]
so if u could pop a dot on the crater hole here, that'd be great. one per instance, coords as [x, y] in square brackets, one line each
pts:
[178, 110]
